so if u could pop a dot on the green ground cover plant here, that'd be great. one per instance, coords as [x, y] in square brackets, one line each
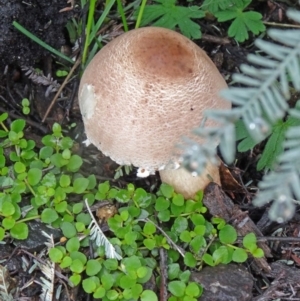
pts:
[46, 184]
[165, 13]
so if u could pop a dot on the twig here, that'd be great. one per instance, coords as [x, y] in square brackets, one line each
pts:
[58, 274]
[163, 294]
[214, 39]
[170, 241]
[282, 24]
[60, 89]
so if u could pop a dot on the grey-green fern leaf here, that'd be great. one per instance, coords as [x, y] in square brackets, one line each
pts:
[99, 238]
[48, 269]
[7, 285]
[268, 84]
[260, 102]
[283, 184]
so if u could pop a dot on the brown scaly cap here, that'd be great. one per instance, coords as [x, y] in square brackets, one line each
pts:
[145, 90]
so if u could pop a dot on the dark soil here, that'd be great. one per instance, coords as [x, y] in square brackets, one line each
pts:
[18, 54]
[41, 18]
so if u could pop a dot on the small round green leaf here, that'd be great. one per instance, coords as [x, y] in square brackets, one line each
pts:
[19, 167]
[111, 264]
[56, 255]
[80, 185]
[77, 266]
[74, 163]
[73, 244]
[126, 282]
[66, 262]
[93, 267]
[65, 181]
[164, 215]
[149, 243]
[112, 295]
[18, 125]
[190, 260]
[149, 228]
[49, 215]
[177, 288]
[228, 235]
[162, 204]
[239, 255]
[142, 272]
[75, 279]
[249, 241]
[69, 230]
[207, 258]
[90, 284]
[178, 200]
[193, 289]
[173, 271]
[34, 176]
[258, 253]
[166, 190]
[148, 295]
[19, 231]
[180, 224]
[107, 281]
[185, 236]
[7, 208]
[8, 222]
[99, 293]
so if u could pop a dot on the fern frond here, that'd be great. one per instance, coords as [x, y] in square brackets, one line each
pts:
[5, 297]
[40, 79]
[261, 102]
[266, 87]
[283, 184]
[48, 269]
[6, 285]
[100, 239]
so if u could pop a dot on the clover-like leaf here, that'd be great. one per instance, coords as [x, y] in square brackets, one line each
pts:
[18, 125]
[49, 215]
[228, 235]
[93, 267]
[239, 255]
[80, 185]
[258, 253]
[19, 231]
[177, 288]
[90, 284]
[34, 176]
[148, 295]
[243, 21]
[167, 14]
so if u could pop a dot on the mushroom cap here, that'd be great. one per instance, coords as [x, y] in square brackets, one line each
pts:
[145, 90]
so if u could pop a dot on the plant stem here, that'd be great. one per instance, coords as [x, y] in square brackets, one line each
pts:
[91, 31]
[121, 12]
[4, 127]
[88, 29]
[28, 219]
[141, 12]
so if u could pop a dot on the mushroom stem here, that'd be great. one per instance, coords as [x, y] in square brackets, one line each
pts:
[187, 184]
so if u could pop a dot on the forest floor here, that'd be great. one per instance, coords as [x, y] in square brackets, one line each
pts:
[19, 59]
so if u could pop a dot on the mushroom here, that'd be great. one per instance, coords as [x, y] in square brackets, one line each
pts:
[142, 93]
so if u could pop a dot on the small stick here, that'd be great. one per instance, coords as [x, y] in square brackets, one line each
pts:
[281, 24]
[60, 89]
